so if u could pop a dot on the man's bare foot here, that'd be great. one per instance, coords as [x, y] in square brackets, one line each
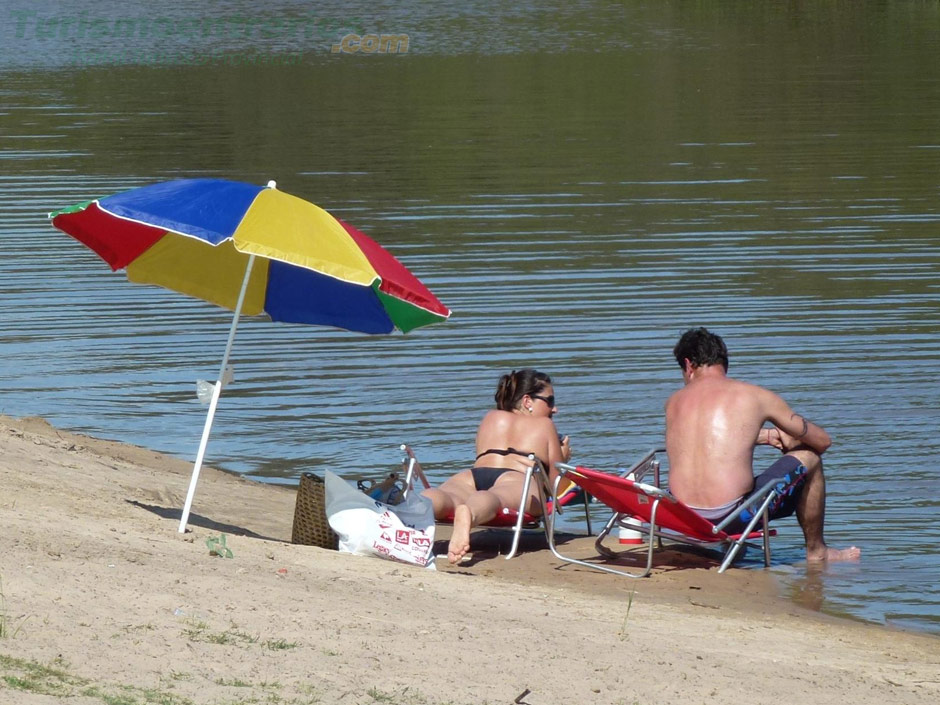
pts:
[835, 555]
[460, 536]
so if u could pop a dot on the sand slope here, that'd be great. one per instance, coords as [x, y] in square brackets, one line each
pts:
[104, 602]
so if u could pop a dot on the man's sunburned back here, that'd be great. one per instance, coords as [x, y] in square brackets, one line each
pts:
[711, 426]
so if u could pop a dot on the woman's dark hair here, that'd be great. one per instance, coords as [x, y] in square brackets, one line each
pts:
[701, 347]
[517, 384]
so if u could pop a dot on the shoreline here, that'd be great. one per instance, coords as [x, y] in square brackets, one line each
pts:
[490, 543]
[98, 584]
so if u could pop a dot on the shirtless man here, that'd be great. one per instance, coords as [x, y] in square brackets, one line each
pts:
[712, 426]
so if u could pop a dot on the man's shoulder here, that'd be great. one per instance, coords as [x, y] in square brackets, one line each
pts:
[745, 384]
[763, 400]
[749, 387]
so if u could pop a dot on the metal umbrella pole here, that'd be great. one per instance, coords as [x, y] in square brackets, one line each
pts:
[216, 392]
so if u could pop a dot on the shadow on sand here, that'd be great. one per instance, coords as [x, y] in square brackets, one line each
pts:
[175, 513]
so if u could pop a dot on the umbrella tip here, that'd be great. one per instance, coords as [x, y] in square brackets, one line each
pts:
[272, 184]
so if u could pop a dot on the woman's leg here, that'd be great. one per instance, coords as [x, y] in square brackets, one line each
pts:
[450, 500]
[471, 507]
[443, 502]
[509, 491]
[479, 508]
[452, 493]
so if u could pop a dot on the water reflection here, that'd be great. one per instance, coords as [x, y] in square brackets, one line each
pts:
[806, 588]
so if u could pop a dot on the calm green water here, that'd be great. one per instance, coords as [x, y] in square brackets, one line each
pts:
[580, 182]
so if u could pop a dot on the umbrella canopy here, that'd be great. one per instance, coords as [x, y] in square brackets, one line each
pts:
[195, 236]
[254, 250]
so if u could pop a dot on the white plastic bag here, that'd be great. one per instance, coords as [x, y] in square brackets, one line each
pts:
[367, 527]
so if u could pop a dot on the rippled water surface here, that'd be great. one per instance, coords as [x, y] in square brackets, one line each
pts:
[580, 183]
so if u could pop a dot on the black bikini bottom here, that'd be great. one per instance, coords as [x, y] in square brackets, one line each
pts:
[485, 478]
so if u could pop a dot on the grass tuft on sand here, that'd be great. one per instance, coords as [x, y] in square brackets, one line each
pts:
[8, 628]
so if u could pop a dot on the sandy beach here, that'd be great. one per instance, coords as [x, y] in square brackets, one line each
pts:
[103, 601]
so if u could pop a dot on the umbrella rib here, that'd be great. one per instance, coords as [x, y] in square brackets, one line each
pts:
[169, 230]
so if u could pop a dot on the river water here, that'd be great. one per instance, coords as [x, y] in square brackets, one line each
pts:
[579, 181]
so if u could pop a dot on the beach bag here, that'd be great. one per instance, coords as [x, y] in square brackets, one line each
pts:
[367, 527]
[389, 490]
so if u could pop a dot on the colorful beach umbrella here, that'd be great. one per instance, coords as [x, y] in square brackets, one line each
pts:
[254, 250]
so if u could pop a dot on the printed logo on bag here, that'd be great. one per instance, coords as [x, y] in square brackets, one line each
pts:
[385, 537]
[381, 549]
[403, 536]
[421, 541]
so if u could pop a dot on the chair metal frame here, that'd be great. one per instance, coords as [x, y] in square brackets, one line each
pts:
[649, 500]
[508, 518]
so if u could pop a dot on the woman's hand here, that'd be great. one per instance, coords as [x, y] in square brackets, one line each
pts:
[565, 449]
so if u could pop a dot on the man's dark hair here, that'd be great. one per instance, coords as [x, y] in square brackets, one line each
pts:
[701, 347]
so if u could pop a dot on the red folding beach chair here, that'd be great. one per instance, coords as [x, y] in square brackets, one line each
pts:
[565, 493]
[663, 516]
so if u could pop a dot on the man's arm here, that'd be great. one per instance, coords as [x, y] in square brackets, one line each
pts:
[795, 429]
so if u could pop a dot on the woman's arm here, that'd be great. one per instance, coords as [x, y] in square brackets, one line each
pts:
[559, 450]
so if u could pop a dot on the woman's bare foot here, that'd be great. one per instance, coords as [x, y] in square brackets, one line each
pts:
[836, 555]
[460, 536]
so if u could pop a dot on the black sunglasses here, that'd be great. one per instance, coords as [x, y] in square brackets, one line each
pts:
[550, 400]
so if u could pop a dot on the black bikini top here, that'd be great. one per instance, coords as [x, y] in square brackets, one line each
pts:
[509, 451]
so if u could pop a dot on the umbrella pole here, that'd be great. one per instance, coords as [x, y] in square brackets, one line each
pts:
[216, 393]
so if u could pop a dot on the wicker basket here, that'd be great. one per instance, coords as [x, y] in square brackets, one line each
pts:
[311, 527]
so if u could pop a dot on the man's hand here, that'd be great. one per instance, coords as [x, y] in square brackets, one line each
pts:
[768, 437]
[796, 430]
[786, 442]
[782, 440]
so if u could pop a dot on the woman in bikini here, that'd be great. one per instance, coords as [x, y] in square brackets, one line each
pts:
[520, 424]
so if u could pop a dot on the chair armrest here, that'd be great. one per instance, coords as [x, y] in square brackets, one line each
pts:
[640, 467]
[411, 468]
